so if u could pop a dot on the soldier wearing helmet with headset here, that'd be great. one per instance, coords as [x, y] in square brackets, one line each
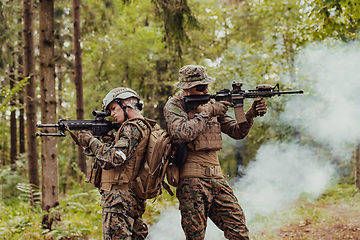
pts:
[120, 162]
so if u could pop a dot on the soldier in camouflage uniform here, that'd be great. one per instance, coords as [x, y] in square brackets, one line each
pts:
[122, 209]
[202, 190]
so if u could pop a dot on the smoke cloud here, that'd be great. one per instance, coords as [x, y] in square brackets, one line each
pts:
[330, 74]
[330, 112]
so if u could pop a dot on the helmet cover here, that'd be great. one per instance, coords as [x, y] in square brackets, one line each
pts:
[118, 93]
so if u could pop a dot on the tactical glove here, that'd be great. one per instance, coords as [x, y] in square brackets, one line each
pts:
[84, 138]
[258, 108]
[108, 138]
[218, 108]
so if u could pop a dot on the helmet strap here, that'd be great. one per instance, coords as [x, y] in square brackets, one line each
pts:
[126, 117]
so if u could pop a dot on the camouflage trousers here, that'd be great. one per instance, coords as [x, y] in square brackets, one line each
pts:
[201, 198]
[122, 216]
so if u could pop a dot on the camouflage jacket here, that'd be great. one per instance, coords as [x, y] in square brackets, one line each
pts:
[113, 155]
[186, 130]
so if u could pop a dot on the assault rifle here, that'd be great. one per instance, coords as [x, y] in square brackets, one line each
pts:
[236, 97]
[98, 127]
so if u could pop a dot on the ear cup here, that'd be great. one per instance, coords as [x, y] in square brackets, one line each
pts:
[139, 106]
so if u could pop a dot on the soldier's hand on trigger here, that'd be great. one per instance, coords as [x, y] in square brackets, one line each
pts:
[84, 138]
[218, 108]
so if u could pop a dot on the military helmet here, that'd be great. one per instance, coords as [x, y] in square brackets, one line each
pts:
[191, 76]
[118, 93]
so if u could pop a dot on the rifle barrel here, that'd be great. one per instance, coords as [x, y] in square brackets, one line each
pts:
[50, 134]
[47, 125]
[289, 92]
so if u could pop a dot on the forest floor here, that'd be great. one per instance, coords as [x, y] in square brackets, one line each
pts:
[321, 221]
[344, 223]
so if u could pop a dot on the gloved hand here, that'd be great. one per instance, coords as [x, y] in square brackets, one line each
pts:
[108, 138]
[84, 138]
[218, 108]
[258, 108]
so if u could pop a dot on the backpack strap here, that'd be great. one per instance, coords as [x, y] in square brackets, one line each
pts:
[167, 187]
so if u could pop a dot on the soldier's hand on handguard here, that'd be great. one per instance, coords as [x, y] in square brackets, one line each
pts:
[218, 108]
[258, 108]
[84, 138]
[261, 107]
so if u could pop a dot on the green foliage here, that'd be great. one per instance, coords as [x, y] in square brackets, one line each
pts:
[30, 192]
[340, 193]
[121, 50]
[19, 220]
[177, 17]
[80, 214]
[8, 182]
[337, 18]
[7, 94]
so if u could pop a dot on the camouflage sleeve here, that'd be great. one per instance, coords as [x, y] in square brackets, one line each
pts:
[235, 130]
[112, 155]
[180, 127]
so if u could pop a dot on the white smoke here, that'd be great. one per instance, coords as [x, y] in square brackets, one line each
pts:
[331, 112]
[280, 174]
[283, 171]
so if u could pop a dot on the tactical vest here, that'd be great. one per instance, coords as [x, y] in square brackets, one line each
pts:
[202, 159]
[119, 177]
[210, 138]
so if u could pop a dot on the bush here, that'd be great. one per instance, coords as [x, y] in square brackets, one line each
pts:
[8, 182]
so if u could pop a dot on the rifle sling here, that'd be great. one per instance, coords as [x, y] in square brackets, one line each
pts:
[76, 140]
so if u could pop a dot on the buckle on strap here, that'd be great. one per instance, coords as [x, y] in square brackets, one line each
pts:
[210, 171]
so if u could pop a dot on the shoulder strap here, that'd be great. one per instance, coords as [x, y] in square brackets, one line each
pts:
[132, 121]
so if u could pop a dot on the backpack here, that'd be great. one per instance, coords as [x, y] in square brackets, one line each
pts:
[159, 154]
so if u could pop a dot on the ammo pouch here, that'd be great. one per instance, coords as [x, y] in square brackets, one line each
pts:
[209, 139]
[93, 175]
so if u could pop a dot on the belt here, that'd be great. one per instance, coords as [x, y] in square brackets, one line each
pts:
[191, 169]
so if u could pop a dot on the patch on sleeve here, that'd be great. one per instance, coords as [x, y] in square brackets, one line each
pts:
[121, 154]
[122, 143]
[176, 110]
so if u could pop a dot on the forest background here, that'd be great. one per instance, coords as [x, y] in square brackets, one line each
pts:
[59, 59]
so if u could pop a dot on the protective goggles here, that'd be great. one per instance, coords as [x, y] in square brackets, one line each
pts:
[201, 88]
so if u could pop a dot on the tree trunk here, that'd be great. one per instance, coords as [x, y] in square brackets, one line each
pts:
[78, 78]
[68, 165]
[357, 165]
[49, 158]
[59, 76]
[21, 98]
[163, 91]
[21, 117]
[32, 153]
[13, 128]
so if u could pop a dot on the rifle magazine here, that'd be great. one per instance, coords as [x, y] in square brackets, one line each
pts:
[240, 114]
